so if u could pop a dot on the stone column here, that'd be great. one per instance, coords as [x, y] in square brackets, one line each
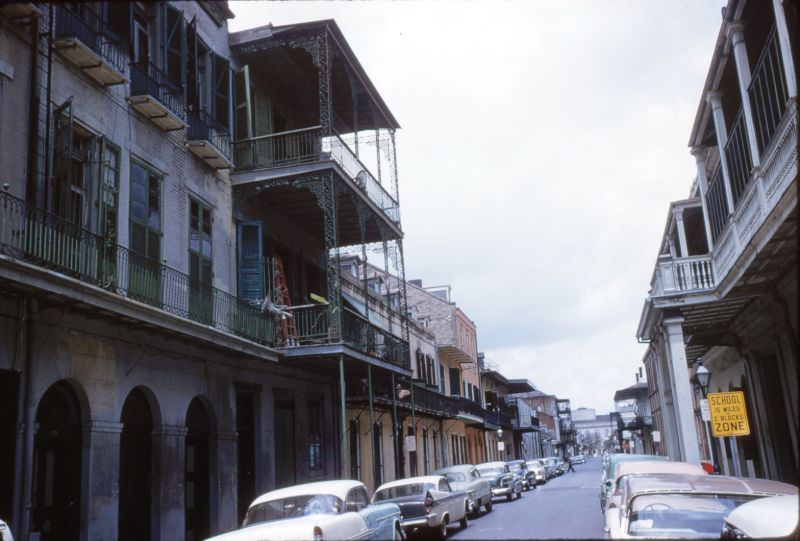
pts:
[700, 156]
[713, 98]
[786, 49]
[102, 438]
[226, 483]
[681, 390]
[168, 480]
[735, 33]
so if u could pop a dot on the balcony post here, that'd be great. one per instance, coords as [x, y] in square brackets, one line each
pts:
[343, 420]
[678, 215]
[700, 154]
[785, 46]
[735, 33]
[713, 98]
[682, 392]
[397, 473]
[372, 427]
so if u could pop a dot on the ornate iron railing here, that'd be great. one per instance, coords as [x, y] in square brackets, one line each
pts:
[767, 90]
[463, 405]
[148, 79]
[46, 240]
[428, 400]
[360, 334]
[717, 204]
[311, 323]
[737, 156]
[93, 32]
[278, 149]
[203, 127]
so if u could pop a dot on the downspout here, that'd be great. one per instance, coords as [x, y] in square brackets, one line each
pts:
[25, 443]
[21, 361]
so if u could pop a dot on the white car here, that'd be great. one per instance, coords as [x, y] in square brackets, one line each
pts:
[317, 511]
[428, 504]
[5, 532]
[767, 517]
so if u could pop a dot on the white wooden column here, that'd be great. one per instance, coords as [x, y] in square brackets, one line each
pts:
[735, 33]
[681, 390]
[678, 215]
[700, 156]
[786, 49]
[713, 98]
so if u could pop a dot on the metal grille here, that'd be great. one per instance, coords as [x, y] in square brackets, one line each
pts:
[767, 91]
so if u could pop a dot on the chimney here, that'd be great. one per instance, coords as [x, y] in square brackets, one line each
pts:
[637, 377]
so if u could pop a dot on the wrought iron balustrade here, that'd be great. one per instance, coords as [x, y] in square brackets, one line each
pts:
[717, 204]
[93, 32]
[737, 156]
[147, 79]
[278, 149]
[432, 401]
[768, 93]
[31, 234]
[203, 127]
[361, 334]
[463, 405]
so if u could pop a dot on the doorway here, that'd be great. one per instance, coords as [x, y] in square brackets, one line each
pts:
[135, 469]
[285, 474]
[197, 472]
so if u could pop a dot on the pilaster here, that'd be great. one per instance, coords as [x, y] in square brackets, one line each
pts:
[168, 479]
[103, 441]
[682, 392]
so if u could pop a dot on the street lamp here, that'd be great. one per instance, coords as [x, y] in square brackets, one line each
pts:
[702, 376]
[500, 446]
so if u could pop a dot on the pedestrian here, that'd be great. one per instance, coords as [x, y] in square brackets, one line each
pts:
[569, 462]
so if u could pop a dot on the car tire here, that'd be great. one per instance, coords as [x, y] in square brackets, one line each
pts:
[441, 533]
[488, 506]
[463, 523]
[519, 494]
[399, 534]
[509, 497]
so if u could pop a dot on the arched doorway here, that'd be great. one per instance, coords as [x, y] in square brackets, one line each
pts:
[57, 465]
[197, 472]
[135, 468]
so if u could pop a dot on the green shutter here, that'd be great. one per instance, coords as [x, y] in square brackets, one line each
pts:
[251, 261]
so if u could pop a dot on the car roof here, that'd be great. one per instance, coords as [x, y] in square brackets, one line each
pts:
[433, 479]
[720, 484]
[766, 517]
[658, 466]
[456, 468]
[338, 488]
[518, 461]
[496, 464]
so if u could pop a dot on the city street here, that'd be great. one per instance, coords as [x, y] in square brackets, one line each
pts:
[565, 506]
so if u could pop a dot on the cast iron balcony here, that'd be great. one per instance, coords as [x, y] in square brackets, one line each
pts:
[737, 156]
[307, 145]
[48, 241]
[767, 91]
[85, 40]
[154, 96]
[209, 140]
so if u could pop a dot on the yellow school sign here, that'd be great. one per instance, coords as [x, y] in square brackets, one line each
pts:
[728, 414]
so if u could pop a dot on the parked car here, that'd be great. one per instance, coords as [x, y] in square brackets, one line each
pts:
[467, 477]
[641, 468]
[549, 467]
[559, 467]
[5, 532]
[579, 459]
[520, 468]
[681, 506]
[502, 479]
[538, 470]
[609, 470]
[428, 504]
[317, 511]
[765, 517]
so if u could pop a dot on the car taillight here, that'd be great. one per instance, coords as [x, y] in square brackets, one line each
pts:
[428, 502]
[317, 533]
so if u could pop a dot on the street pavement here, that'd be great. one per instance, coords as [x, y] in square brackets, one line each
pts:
[566, 506]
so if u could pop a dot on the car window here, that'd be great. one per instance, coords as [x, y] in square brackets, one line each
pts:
[357, 499]
[455, 477]
[297, 506]
[681, 515]
[474, 474]
[401, 491]
[444, 486]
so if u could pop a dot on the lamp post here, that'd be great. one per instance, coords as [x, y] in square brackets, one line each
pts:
[500, 448]
[702, 375]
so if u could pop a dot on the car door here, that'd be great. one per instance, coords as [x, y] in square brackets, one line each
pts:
[356, 501]
[450, 501]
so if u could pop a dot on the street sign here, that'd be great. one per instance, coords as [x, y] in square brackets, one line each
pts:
[411, 444]
[501, 446]
[705, 411]
[728, 414]
[656, 436]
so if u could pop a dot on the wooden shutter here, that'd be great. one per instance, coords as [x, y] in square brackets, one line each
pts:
[192, 68]
[243, 128]
[251, 261]
[62, 158]
[174, 45]
[220, 73]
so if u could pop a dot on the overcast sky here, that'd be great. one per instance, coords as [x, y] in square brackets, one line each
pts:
[541, 144]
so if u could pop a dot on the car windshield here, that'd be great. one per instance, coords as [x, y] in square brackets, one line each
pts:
[401, 491]
[534, 464]
[515, 466]
[455, 477]
[681, 515]
[491, 471]
[296, 506]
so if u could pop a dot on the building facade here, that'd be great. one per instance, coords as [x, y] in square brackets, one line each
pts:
[724, 288]
[636, 420]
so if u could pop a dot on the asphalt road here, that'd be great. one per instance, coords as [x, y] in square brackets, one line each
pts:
[565, 506]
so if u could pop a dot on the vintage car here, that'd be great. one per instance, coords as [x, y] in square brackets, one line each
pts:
[5, 532]
[538, 471]
[549, 467]
[466, 477]
[641, 468]
[520, 467]
[559, 466]
[609, 470]
[579, 459]
[502, 480]
[685, 506]
[766, 517]
[428, 504]
[317, 511]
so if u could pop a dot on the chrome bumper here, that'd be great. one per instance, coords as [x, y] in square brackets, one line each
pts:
[427, 520]
[502, 491]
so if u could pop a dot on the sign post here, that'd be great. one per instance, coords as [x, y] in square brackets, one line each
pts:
[729, 419]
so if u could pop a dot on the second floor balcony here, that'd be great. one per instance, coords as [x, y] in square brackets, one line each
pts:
[157, 98]
[209, 140]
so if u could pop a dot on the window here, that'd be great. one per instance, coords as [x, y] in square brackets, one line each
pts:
[144, 281]
[378, 458]
[200, 269]
[435, 450]
[425, 453]
[355, 454]
[315, 437]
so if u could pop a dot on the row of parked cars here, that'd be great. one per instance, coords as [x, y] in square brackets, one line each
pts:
[651, 496]
[425, 505]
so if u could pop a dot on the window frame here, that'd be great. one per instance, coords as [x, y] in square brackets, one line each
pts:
[151, 173]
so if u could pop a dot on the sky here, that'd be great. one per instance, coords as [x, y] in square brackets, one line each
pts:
[541, 144]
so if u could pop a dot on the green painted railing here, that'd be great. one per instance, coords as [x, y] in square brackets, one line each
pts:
[46, 240]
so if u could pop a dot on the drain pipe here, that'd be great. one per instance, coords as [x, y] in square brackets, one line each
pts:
[23, 475]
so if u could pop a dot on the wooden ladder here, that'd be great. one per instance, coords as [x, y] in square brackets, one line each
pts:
[288, 327]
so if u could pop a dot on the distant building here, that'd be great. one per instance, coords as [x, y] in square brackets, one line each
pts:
[593, 432]
[633, 406]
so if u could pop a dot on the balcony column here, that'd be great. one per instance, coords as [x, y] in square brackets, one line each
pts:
[345, 442]
[786, 47]
[700, 155]
[678, 215]
[372, 427]
[324, 78]
[681, 390]
[735, 33]
[713, 98]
